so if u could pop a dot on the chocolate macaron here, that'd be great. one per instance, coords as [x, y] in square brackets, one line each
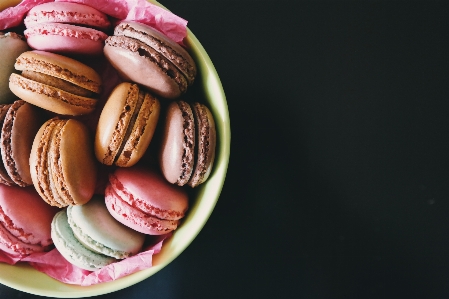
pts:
[20, 124]
[126, 125]
[56, 83]
[62, 163]
[144, 55]
[188, 144]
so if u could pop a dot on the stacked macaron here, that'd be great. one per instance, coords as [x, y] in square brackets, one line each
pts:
[65, 27]
[50, 155]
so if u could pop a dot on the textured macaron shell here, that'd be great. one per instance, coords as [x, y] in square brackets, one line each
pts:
[11, 46]
[66, 12]
[65, 39]
[48, 95]
[25, 220]
[71, 249]
[93, 226]
[21, 123]
[205, 144]
[177, 156]
[126, 125]
[62, 163]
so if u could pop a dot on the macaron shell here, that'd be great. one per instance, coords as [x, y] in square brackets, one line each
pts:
[149, 192]
[205, 146]
[18, 131]
[176, 156]
[65, 39]
[11, 46]
[94, 227]
[66, 12]
[71, 249]
[50, 98]
[136, 219]
[77, 163]
[136, 62]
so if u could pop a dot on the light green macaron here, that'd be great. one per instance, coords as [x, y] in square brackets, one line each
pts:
[90, 238]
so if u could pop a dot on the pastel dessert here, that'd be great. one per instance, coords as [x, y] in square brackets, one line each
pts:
[11, 46]
[24, 221]
[188, 144]
[56, 83]
[88, 236]
[4, 176]
[20, 124]
[62, 164]
[144, 201]
[71, 249]
[145, 56]
[126, 125]
[66, 28]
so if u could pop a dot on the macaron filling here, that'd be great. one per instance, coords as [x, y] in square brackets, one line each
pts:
[188, 144]
[58, 83]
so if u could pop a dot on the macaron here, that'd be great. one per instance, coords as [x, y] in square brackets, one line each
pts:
[66, 28]
[24, 221]
[11, 46]
[126, 125]
[20, 125]
[187, 149]
[97, 230]
[145, 56]
[144, 201]
[56, 83]
[71, 249]
[62, 163]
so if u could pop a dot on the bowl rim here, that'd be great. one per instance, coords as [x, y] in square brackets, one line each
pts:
[219, 109]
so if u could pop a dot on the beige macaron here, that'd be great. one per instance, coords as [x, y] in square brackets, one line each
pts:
[56, 83]
[126, 125]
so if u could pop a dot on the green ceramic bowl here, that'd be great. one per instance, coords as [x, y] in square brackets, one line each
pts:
[24, 278]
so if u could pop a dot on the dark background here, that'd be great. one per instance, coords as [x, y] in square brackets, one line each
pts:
[338, 179]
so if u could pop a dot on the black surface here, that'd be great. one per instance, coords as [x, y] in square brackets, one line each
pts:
[338, 178]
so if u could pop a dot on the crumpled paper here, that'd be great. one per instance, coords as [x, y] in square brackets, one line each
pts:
[131, 10]
[52, 263]
[56, 266]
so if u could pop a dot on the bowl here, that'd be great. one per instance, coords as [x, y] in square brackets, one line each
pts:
[25, 278]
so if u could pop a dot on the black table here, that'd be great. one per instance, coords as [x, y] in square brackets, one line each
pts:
[338, 179]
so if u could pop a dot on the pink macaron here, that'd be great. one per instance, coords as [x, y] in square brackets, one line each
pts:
[66, 28]
[144, 201]
[25, 221]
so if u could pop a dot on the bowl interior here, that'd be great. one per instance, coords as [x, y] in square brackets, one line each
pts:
[24, 278]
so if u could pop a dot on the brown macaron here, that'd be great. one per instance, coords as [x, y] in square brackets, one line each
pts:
[145, 56]
[126, 125]
[4, 176]
[20, 125]
[188, 144]
[56, 83]
[62, 163]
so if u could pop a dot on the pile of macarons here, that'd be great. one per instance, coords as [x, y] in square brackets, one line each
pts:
[94, 192]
